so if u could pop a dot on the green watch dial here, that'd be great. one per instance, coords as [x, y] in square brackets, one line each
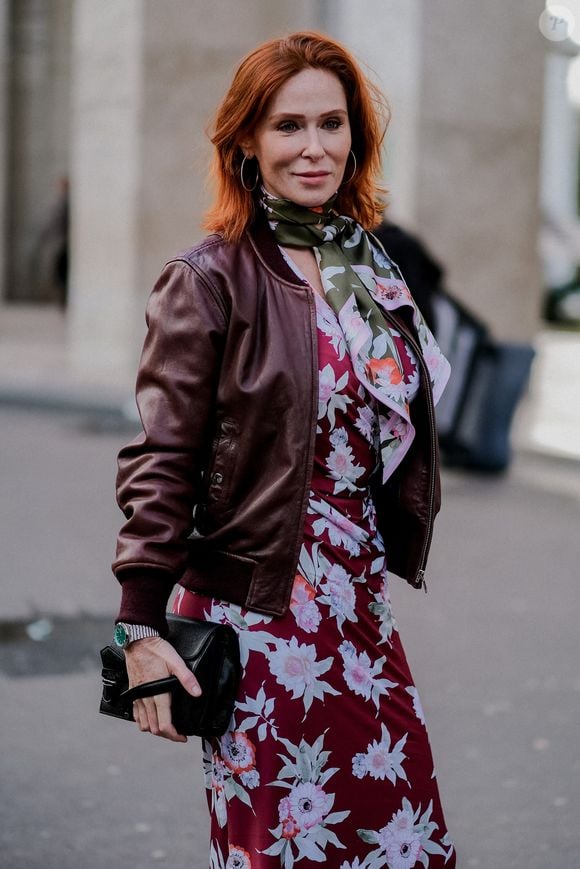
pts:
[120, 636]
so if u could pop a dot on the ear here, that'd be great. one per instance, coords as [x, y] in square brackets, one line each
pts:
[247, 148]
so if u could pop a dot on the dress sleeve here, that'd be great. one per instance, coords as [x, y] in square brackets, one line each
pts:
[160, 472]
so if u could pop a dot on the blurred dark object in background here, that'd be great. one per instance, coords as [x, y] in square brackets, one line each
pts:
[49, 262]
[423, 274]
[488, 377]
[562, 304]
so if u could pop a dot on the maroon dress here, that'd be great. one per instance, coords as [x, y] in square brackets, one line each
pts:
[327, 758]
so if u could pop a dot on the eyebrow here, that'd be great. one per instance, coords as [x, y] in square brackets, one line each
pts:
[301, 116]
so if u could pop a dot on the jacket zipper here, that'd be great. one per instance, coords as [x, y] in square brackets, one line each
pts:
[420, 577]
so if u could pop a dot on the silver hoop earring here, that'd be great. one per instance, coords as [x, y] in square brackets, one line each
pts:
[249, 189]
[354, 168]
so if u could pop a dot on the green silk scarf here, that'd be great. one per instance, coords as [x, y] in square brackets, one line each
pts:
[360, 283]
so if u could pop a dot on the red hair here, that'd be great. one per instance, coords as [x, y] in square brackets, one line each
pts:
[258, 77]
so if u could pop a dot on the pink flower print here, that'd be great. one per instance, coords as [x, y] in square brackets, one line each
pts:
[396, 425]
[389, 290]
[340, 590]
[309, 804]
[353, 325]
[250, 779]
[357, 673]
[361, 676]
[366, 422]
[400, 841]
[326, 384]
[341, 463]
[303, 606]
[294, 666]
[290, 828]
[238, 751]
[238, 858]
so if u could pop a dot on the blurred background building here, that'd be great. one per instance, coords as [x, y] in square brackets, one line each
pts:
[103, 154]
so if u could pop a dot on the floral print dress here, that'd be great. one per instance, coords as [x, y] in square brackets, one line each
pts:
[327, 757]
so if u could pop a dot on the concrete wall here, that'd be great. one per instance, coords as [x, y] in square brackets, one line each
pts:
[479, 154]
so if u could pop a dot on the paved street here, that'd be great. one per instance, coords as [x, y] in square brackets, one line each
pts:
[494, 647]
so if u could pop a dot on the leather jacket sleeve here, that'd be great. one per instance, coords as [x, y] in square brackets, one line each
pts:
[160, 473]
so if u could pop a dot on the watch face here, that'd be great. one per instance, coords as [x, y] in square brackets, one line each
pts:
[121, 636]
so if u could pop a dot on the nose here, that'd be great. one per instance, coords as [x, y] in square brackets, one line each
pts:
[313, 147]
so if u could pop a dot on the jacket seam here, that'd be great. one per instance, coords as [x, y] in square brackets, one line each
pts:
[213, 290]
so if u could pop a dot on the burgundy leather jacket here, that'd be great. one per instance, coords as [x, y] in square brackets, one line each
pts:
[215, 488]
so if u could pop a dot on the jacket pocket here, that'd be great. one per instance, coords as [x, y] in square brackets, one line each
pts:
[222, 465]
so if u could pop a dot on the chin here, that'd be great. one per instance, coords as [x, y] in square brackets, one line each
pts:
[312, 199]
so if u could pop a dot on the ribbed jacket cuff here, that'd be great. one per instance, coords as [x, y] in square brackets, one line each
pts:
[144, 598]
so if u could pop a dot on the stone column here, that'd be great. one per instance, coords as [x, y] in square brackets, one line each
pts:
[385, 35]
[147, 78]
[479, 155]
[4, 84]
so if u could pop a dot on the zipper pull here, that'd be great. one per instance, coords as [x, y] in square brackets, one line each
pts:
[421, 581]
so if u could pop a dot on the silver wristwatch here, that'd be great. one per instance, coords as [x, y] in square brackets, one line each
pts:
[126, 634]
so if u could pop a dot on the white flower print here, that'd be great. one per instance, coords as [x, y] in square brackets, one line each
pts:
[366, 422]
[359, 765]
[340, 529]
[304, 812]
[330, 397]
[339, 595]
[361, 676]
[356, 331]
[260, 714]
[241, 620]
[308, 804]
[400, 841]
[405, 840]
[381, 607]
[250, 779]
[380, 761]
[214, 771]
[297, 670]
[437, 364]
[328, 324]
[341, 464]
[216, 858]
[417, 707]
[238, 858]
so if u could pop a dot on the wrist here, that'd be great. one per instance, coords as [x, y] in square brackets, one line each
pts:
[126, 634]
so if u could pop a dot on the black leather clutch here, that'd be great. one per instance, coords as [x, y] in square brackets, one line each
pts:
[211, 652]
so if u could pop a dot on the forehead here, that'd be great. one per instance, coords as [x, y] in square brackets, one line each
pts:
[310, 89]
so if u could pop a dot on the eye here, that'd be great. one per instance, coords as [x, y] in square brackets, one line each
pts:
[287, 126]
[333, 123]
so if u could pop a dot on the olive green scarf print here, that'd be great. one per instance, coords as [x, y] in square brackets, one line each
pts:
[360, 283]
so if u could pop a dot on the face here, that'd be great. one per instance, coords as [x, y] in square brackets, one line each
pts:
[303, 141]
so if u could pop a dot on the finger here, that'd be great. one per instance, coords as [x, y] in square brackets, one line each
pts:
[140, 716]
[150, 712]
[166, 727]
[179, 669]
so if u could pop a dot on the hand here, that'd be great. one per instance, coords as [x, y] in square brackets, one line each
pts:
[154, 658]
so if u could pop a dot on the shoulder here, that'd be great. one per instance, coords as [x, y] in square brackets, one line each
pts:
[212, 254]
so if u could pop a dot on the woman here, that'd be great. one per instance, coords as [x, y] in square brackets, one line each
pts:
[286, 390]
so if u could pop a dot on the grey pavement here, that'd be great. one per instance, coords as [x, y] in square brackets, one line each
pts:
[493, 647]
